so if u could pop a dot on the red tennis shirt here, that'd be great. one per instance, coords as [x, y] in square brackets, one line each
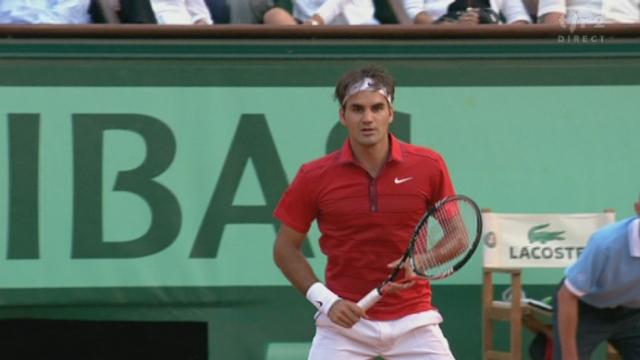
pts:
[366, 222]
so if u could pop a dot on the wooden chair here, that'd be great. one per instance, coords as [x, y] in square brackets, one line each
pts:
[502, 233]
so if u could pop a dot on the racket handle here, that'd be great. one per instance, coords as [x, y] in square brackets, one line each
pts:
[370, 299]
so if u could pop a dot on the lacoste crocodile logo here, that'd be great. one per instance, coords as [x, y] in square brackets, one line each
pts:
[537, 235]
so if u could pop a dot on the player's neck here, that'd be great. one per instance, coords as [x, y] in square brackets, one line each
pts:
[372, 158]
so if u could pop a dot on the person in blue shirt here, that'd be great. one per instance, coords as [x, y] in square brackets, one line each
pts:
[599, 299]
[44, 12]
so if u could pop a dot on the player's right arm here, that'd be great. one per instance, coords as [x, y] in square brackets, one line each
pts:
[293, 264]
[568, 322]
[287, 254]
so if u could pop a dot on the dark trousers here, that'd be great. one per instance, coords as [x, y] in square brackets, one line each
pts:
[619, 326]
[131, 12]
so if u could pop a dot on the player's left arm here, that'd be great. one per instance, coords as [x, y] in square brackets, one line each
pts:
[455, 237]
[407, 281]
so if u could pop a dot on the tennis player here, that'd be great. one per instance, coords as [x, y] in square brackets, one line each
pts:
[599, 299]
[367, 199]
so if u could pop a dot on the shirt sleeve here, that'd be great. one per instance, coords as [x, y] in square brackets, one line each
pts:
[199, 11]
[443, 188]
[330, 9]
[549, 6]
[514, 10]
[297, 209]
[443, 185]
[185, 12]
[413, 8]
[582, 277]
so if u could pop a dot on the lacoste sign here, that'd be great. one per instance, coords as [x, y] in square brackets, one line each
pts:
[538, 240]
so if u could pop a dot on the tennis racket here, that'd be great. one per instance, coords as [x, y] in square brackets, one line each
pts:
[443, 241]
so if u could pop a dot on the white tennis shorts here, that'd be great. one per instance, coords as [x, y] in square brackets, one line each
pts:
[413, 337]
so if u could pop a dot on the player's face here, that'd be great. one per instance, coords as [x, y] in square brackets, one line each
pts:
[367, 116]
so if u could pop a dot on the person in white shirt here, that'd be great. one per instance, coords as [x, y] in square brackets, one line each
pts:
[324, 12]
[429, 11]
[588, 11]
[181, 12]
[44, 12]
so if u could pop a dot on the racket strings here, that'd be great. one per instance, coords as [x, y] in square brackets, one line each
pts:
[443, 240]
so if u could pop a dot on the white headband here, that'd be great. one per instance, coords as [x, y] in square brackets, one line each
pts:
[366, 84]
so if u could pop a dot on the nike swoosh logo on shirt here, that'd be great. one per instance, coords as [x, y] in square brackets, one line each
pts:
[400, 181]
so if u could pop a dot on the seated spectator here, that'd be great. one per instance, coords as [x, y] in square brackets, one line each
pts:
[253, 11]
[181, 12]
[122, 11]
[323, 12]
[220, 10]
[44, 12]
[467, 11]
[588, 11]
[391, 12]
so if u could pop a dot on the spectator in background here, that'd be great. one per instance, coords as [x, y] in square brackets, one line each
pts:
[178, 12]
[324, 12]
[220, 10]
[391, 12]
[588, 11]
[253, 11]
[122, 11]
[467, 11]
[181, 12]
[44, 12]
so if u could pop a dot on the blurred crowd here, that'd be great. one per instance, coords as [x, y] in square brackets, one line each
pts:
[319, 12]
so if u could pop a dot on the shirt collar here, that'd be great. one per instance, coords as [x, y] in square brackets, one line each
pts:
[346, 154]
[634, 237]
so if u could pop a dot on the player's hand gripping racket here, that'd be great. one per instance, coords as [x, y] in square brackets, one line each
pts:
[443, 241]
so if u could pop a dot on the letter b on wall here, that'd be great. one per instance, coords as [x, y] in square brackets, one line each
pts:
[88, 150]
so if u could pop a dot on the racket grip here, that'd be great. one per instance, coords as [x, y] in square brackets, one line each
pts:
[370, 299]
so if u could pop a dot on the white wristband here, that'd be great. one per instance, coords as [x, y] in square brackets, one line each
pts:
[321, 297]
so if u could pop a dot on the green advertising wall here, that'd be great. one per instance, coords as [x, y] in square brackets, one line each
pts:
[137, 181]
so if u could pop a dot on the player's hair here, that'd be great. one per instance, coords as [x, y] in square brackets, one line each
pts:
[381, 77]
